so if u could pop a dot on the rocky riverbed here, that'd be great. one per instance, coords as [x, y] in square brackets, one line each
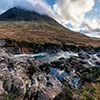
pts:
[15, 78]
[26, 78]
[49, 76]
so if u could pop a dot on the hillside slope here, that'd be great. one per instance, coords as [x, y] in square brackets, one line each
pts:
[31, 27]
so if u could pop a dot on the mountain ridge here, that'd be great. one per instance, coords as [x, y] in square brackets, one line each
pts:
[20, 14]
[13, 25]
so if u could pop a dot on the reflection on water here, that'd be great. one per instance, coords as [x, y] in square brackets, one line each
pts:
[61, 74]
[74, 80]
[58, 73]
[52, 57]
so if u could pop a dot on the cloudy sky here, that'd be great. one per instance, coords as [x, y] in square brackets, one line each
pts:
[78, 15]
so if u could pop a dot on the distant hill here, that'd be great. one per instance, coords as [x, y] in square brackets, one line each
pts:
[23, 25]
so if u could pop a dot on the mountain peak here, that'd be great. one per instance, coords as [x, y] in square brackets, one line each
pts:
[18, 14]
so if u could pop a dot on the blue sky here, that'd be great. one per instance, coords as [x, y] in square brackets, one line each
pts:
[50, 2]
[78, 15]
[90, 14]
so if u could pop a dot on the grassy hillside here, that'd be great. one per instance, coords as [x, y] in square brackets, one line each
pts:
[40, 32]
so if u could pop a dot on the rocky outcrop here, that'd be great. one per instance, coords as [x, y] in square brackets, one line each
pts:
[2, 42]
[14, 78]
[30, 79]
[49, 86]
[1, 88]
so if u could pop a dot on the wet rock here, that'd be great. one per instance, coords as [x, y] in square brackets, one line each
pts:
[97, 63]
[62, 58]
[98, 55]
[29, 60]
[67, 70]
[61, 66]
[57, 64]
[45, 67]
[90, 52]
[84, 55]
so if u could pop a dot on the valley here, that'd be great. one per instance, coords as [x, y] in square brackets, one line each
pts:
[42, 60]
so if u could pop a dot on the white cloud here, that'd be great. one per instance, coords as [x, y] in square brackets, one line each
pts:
[95, 9]
[42, 7]
[39, 6]
[67, 11]
[95, 35]
[72, 11]
[91, 25]
[64, 11]
[6, 4]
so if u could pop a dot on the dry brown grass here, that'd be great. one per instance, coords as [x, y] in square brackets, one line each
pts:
[42, 32]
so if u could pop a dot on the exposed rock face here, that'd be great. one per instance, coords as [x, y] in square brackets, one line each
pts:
[33, 89]
[19, 14]
[23, 50]
[1, 88]
[25, 76]
[49, 86]
[2, 42]
[14, 78]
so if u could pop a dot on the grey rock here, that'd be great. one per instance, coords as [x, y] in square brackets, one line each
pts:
[33, 89]
[8, 85]
[49, 86]
[1, 88]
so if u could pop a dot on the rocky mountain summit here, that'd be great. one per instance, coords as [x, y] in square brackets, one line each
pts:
[20, 14]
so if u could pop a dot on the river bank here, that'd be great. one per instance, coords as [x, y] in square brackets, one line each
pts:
[71, 69]
[50, 75]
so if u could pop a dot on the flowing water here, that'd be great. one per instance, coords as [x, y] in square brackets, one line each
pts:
[52, 57]
[48, 57]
